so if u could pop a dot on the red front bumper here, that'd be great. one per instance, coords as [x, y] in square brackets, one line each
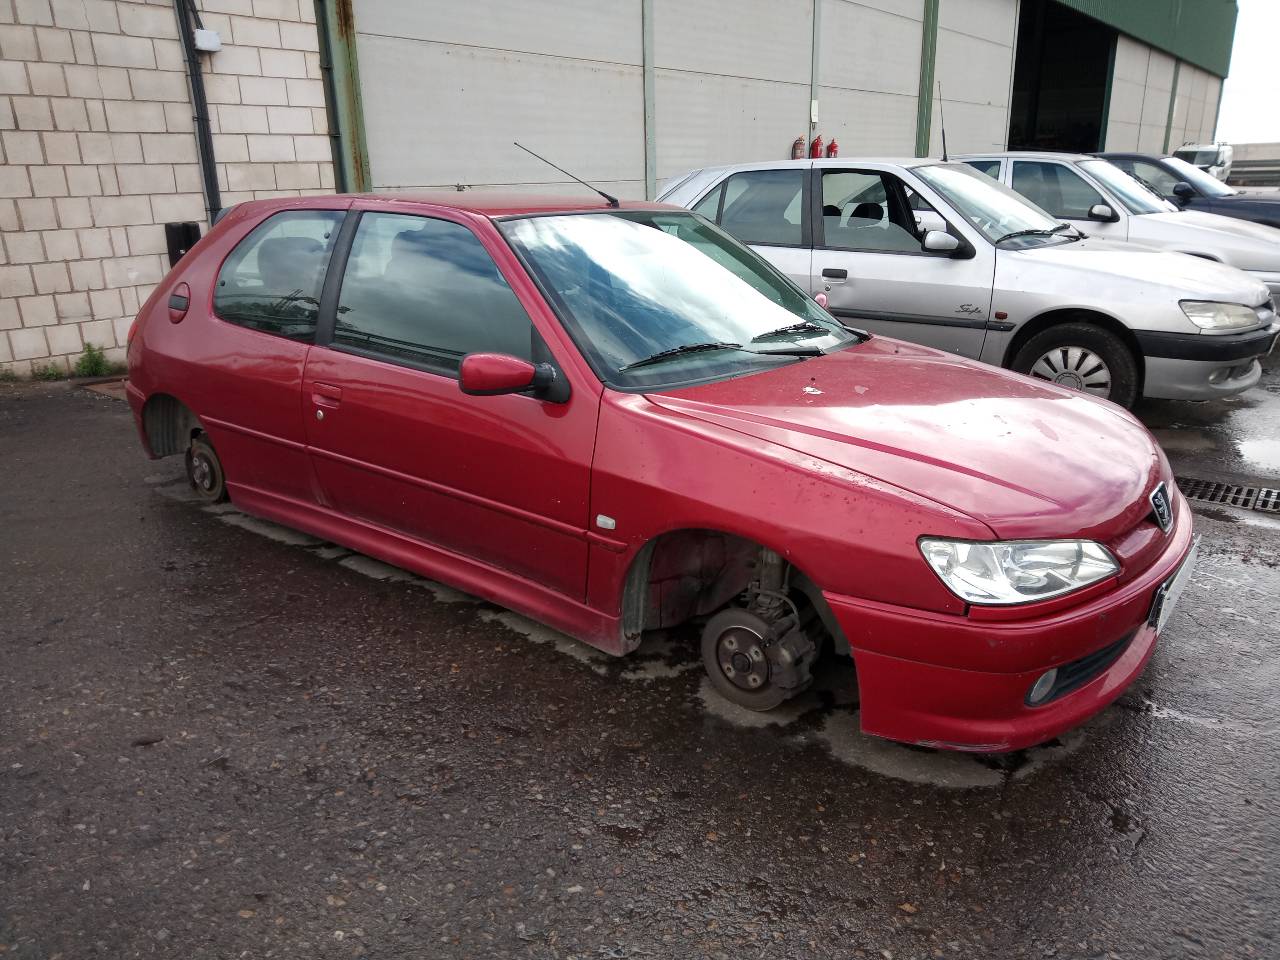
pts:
[970, 691]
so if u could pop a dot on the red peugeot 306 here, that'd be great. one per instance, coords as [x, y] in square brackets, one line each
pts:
[617, 419]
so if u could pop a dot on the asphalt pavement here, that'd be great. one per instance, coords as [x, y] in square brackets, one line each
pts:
[220, 738]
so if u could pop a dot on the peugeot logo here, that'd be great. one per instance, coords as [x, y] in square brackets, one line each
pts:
[1161, 508]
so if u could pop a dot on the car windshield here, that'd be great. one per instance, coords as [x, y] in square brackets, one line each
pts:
[1208, 185]
[990, 206]
[1132, 194]
[656, 298]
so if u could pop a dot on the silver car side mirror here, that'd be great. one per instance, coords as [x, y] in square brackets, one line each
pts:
[1103, 212]
[935, 241]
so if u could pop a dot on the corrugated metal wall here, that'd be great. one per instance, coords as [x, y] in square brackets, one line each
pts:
[1198, 31]
[975, 66]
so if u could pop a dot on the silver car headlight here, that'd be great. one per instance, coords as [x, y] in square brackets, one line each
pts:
[1208, 315]
[1017, 571]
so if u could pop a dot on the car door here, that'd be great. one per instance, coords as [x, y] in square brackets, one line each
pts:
[499, 479]
[868, 260]
[766, 209]
[244, 379]
[1061, 192]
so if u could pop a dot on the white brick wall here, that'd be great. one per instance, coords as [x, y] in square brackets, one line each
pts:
[98, 151]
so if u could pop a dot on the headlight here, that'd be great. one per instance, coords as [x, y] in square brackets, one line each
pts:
[1017, 571]
[1208, 315]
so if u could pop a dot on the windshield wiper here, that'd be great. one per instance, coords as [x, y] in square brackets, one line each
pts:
[662, 355]
[1035, 232]
[804, 326]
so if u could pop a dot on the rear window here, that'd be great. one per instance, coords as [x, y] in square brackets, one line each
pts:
[271, 281]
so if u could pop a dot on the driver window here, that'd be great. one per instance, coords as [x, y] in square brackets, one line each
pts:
[860, 212]
[1055, 189]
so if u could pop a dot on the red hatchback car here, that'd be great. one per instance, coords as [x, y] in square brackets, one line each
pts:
[617, 419]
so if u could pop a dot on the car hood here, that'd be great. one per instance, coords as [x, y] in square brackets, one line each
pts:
[1248, 246]
[1026, 458]
[1186, 277]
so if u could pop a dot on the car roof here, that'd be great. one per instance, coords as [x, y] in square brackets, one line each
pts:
[484, 203]
[1025, 155]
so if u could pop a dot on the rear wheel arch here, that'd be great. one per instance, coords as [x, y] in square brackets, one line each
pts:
[170, 425]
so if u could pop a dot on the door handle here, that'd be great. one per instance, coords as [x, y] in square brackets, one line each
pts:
[835, 273]
[325, 394]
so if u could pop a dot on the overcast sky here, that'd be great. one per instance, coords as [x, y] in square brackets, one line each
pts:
[1250, 111]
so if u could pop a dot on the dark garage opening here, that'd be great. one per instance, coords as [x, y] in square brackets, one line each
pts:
[1059, 79]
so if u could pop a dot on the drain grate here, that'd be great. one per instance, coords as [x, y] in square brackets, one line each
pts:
[1265, 499]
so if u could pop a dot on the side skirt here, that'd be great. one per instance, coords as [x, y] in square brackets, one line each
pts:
[463, 573]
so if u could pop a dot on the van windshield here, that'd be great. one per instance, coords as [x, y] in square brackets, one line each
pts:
[659, 298]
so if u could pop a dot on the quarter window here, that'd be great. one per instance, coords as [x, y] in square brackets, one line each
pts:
[765, 206]
[1055, 189]
[425, 293]
[272, 279]
[990, 167]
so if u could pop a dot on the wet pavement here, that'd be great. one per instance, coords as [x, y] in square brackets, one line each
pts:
[220, 738]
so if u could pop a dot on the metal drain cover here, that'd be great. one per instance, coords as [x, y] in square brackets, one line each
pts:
[1265, 499]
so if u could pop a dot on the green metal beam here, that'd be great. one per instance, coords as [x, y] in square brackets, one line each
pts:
[928, 58]
[1173, 100]
[335, 20]
[1197, 31]
[650, 96]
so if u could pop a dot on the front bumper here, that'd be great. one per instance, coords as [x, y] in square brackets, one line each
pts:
[1188, 366]
[963, 682]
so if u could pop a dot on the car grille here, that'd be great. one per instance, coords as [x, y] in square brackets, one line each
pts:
[1074, 675]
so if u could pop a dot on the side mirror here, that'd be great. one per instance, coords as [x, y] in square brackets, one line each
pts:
[935, 241]
[493, 374]
[1183, 190]
[1103, 212]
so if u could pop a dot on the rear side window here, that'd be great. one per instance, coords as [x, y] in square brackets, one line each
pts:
[1055, 189]
[272, 279]
[765, 206]
[424, 293]
[990, 167]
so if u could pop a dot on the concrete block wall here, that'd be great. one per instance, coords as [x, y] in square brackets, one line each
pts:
[98, 152]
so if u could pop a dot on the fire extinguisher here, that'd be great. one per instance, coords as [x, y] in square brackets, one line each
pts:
[797, 149]
[833, 148]
[815, 148]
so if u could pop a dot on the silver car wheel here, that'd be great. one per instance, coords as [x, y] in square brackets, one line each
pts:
[1076, 367]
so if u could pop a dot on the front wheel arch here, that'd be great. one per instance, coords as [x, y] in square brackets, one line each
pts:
[1044, 321]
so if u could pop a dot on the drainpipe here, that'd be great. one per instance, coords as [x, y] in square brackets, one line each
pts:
[204, 136]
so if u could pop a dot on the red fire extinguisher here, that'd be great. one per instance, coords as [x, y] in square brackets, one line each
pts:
[815, 148]
[797, 149]
[833, 148]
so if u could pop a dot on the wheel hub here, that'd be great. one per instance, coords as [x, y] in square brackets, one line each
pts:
[742, 659]
[1077, 368]
[202, 472]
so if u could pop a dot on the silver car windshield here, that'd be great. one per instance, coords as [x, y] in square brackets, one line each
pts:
[661, 298]
[991, 207]
[1205, 183]
[1133, 196]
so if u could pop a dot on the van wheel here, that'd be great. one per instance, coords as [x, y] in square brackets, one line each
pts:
[204, 470]
[1083, 357]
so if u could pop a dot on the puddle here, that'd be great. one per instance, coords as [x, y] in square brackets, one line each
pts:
[1262, 456]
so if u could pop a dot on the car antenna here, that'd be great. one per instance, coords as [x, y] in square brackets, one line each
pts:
[943, 118]
[613, 201]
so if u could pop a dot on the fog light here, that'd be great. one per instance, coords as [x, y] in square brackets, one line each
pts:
[1219, 375]
[1041, 689]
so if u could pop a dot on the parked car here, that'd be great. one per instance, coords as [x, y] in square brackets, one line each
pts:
[1213, 158]
[1103, 200]
[939, 254]
[1192, 189]
[615, 419]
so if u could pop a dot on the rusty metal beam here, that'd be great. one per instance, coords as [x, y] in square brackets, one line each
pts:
[340, 69]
